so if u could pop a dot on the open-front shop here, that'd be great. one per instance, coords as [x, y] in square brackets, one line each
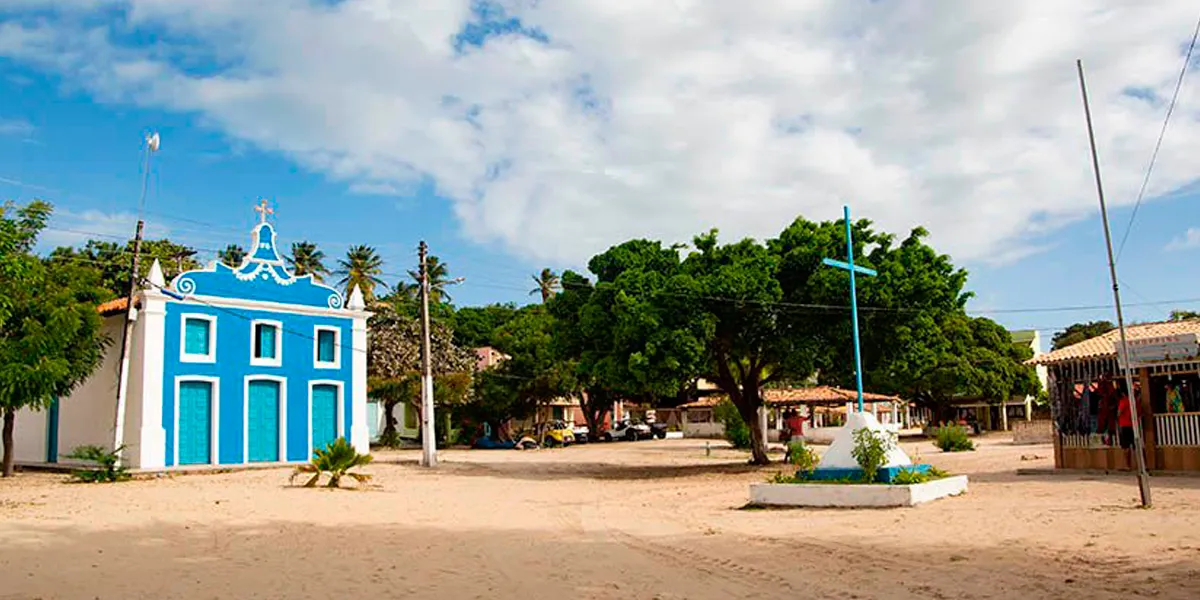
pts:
[1092, 412]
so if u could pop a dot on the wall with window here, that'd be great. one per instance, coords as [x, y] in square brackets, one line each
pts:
[230, 343]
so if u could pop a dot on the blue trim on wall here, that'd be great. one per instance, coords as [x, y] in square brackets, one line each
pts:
[233, 365]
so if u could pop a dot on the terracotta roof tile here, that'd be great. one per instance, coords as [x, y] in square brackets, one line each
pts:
[1105, 346]
[114, 307]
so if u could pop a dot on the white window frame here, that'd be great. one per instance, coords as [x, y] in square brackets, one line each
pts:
[340, 425]
[266, 362]
[184, 356]
[282, 381]
[337, 347]
[215, 426]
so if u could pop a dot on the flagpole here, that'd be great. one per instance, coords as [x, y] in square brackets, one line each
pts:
[1123, 351]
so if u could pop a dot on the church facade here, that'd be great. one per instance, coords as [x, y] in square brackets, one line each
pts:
[227, 366]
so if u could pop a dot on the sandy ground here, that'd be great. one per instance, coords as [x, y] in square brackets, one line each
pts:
[653, 519]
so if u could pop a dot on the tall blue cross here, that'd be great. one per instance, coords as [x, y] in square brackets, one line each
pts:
[850, 266]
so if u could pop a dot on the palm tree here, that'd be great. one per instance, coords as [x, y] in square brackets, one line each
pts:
[306, 259]
[439, 279]
[232, 256]
[361, 268]
[548, 284]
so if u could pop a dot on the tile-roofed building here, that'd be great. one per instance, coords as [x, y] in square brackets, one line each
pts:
[1105, 346]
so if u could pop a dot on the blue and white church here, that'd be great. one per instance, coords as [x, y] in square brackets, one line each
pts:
[227, 366]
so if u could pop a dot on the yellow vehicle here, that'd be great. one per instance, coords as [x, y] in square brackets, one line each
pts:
[558, 433]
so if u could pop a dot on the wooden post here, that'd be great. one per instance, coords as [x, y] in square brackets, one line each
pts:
[1147, 423]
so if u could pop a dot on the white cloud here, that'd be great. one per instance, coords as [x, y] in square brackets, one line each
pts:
[71, 228]
[16, 128]
[1189, 239]
[664, 119]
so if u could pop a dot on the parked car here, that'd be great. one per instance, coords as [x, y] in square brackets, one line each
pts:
[581, 433]
[629, 431]
[557, 433]
[658, 430]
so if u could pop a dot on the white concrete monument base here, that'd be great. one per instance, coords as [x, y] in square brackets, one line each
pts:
[841, 452]
[854, 495]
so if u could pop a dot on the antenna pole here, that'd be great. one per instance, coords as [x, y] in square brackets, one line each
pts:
[130, 314]
[1123, 351]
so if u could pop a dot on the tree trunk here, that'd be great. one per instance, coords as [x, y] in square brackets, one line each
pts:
[389, 421]
[595, 405]
[747, 399]
[758, 445]
[10, 418]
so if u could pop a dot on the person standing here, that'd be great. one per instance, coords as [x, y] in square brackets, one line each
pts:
[1125, 423]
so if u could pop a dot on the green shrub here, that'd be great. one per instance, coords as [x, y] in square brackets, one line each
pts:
[952, 438]
[337, 458]
[801, 456]
[737, 433]
[390, 439]
[107, 469]
[781, 478]
[936, 473]
[871, 450]
[910, 477]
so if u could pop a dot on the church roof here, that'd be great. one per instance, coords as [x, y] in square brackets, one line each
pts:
[262, 276]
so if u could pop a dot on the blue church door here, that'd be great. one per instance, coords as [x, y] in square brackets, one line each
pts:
[324, 415]
[262, 421]
[195, 423]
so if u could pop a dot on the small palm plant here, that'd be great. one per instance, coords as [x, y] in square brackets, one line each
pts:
[337, 459]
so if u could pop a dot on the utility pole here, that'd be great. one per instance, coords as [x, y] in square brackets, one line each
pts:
[428, 437]
[130, 314]
[1138, 444]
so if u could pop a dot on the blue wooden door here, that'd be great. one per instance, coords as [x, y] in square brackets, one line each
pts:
[195, 423]
[324, 415]
[262, 421]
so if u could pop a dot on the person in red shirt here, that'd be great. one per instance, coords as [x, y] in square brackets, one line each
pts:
[1125, 423]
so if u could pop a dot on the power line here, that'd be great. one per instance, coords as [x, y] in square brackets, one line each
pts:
[1157, 145]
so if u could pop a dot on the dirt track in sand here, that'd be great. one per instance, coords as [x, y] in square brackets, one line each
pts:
[634, 520]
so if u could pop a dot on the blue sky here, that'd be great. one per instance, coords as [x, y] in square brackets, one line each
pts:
[517, 137]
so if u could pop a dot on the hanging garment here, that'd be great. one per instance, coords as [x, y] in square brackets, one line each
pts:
[1174, 400]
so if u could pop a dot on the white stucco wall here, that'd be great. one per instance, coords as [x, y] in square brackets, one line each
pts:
[86, 416]
[29, 436]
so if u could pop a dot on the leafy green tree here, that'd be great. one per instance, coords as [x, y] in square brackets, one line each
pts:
[307, 259]
[50, 339]
[362, 268]
[474, 326]
[632, 334]
[746, 315]
[394, 363]
[232, 256]
[1184, 315]
[548, 284]
[113, 261]
[964, 357]
[1079, 332]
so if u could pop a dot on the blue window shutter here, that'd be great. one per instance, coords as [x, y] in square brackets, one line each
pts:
[265, 341]
[326, 346]
[196, 336]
